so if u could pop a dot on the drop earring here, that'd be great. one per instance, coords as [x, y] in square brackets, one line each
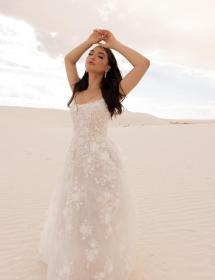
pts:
[105, 74]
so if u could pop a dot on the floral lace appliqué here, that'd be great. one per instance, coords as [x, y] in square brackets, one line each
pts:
[89, 229]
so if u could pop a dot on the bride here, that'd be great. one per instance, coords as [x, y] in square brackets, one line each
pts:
[90, 231]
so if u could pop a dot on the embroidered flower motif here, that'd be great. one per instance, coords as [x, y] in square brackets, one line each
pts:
[97, 180]
[75, 196]
[104, 196]
[101, 181]
[66, 271]
[116, 203]
[108, 269]
[107, 218]
[89, 165]
[108, 177]
[93, 243]
[105, 155]
[108, 265]
[99, 276]
[89, 159]
[108, 231]
[94, 147]
[92, 251]
[85, 229]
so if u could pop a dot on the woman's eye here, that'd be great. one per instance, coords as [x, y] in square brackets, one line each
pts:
[99, 56]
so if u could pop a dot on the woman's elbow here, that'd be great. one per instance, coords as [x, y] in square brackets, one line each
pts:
[146, 63]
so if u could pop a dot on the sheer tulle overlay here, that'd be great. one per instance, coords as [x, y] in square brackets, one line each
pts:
[90, 229]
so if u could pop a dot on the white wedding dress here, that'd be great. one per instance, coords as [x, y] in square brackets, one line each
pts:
[90, 230]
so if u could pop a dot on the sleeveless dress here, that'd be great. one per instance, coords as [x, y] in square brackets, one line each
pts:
[90, 230]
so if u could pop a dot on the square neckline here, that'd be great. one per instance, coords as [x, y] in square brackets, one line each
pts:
[90, 102]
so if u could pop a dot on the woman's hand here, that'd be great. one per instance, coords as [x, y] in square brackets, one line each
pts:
[102, 35]
[108, 38]
[95, 37]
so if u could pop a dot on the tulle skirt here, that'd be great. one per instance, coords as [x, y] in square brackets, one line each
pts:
[90, 228]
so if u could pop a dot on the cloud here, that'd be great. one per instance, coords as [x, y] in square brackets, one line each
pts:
[107, 9]
[182, 31]
[32, 67]
[28, 75]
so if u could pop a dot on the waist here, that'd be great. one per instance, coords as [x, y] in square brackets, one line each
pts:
[89, 138]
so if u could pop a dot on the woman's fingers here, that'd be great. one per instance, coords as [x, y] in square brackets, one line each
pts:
[102, 34]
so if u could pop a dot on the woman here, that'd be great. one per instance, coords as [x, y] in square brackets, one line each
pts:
[91, 227]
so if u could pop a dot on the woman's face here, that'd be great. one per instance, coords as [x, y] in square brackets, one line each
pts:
[97, 60]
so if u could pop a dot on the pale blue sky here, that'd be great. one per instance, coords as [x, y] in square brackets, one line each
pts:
[176, 37]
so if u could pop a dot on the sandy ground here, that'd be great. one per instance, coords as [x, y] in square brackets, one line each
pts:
[170, 166]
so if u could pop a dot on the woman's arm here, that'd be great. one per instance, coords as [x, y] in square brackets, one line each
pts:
[70, 60]
[74, 55]
[131, 55]
[140, 63]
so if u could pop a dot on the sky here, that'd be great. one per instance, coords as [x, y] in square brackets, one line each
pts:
[177, 36]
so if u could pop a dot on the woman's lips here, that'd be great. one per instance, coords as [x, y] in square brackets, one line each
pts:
[91, 62]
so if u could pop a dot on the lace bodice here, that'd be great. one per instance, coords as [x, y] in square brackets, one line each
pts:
[90, 133]
[90, 124]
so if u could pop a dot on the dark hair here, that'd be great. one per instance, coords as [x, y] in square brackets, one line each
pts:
[109, 86]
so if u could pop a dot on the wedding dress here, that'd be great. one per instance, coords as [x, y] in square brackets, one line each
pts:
[90, 226]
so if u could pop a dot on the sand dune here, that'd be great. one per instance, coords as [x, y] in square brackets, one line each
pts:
[171, 168]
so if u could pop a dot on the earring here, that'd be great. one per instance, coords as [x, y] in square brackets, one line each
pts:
[105, 74]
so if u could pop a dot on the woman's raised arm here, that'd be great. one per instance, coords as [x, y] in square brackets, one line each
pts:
[140, 62]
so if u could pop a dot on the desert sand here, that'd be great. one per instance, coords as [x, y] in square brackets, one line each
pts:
[170, 165]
